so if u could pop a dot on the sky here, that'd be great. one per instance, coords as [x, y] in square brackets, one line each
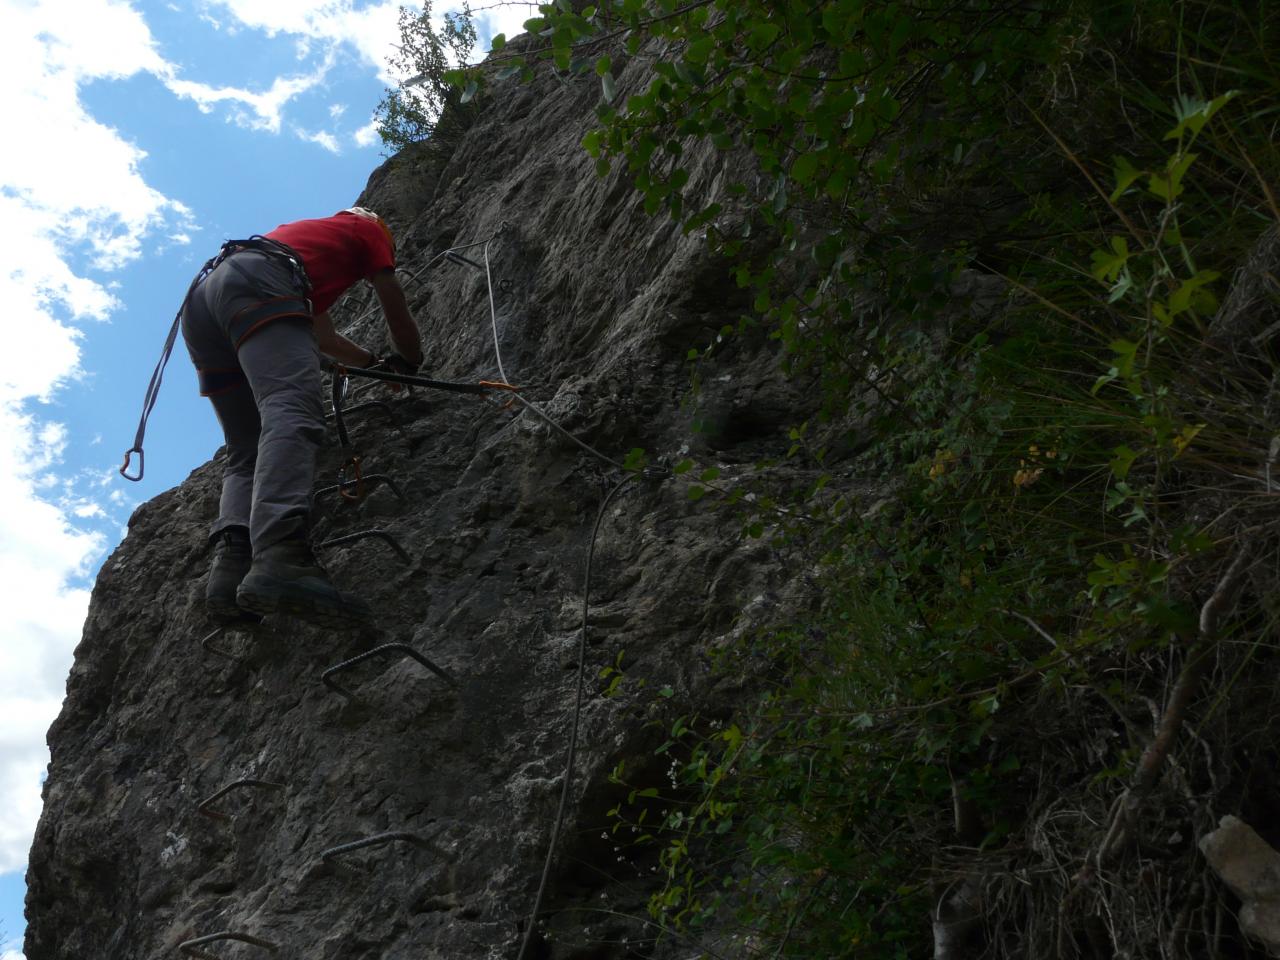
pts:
[139, 134]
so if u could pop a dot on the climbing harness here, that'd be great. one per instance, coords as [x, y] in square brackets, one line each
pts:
[257, 242]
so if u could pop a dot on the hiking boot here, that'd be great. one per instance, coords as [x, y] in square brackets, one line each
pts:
[286, 578]
[232, 557]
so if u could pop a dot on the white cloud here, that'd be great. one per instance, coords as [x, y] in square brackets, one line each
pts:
[265, 110]
[371, 30]
[367, 135]
[41, 552]
[325, 139]
[72, 191]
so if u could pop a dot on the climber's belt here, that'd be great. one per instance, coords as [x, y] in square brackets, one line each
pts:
[253, 318]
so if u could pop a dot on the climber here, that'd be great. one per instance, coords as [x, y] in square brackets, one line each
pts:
[255, 325]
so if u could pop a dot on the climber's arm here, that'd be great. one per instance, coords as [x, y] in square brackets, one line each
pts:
[335, 345]
[404, 331]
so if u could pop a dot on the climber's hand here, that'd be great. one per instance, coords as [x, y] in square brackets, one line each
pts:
[398, 364]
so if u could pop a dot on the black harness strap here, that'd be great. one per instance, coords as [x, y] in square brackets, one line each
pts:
[257, 242]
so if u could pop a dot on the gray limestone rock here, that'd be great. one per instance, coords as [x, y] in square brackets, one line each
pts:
[596, 308]
[1250, 867]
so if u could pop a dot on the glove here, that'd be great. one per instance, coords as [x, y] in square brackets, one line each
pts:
[398, 364]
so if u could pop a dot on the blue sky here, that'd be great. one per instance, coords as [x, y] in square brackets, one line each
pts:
[139, 136]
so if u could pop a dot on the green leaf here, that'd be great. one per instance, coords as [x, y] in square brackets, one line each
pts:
[804, 168]
[699, 50]
[1125, 174]
[1190, 295]
[498, 42]
[604, 65]
[469, 93]
[1193, 113]
[1126, 355]
[1107, 264]
[697, 493]
[762, 34]
[1122, 461]
[1168, 185]
[711, 473]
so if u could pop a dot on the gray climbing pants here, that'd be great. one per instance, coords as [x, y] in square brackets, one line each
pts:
[248, 330]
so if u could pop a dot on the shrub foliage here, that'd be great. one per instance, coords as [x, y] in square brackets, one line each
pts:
[1007, 240]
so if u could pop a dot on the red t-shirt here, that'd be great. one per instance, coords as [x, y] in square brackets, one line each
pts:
[337, 251]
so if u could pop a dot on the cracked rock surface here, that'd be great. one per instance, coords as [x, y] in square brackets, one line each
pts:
[596, 308]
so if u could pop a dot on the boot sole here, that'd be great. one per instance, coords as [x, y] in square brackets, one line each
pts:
[305, 607]
[227, 611]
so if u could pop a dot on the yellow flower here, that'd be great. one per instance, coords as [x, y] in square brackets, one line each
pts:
[941, 460]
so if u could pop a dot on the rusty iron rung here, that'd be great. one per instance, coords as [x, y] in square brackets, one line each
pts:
[460, 259]
[206, 642]
[371, 479]
[402, 648]
[366, 405]
[364, 535]
[204, 805]
[191, 947]
[373, 842]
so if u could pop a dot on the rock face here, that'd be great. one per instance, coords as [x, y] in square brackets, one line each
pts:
[596, 307]
[1250, 867]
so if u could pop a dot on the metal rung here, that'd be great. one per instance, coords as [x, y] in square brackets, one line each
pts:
[366, 534]
[204, 805]
[367, 404]
[459, 258]
[374, 842]
[373, 478]
[190, 948]
[402, 648]
[244, 623]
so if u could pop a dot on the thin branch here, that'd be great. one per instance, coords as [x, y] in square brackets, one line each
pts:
[1151, 764]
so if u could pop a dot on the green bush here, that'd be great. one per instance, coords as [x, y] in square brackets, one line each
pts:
[997, 236]
[410, 113]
